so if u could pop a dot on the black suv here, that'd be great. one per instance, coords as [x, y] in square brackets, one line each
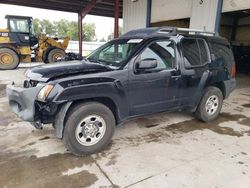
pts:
[145, 71]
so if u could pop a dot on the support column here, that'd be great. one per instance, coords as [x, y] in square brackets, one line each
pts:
[218, 17]
[80, 32]
[149, 8]
[116, 20]
[81, 15]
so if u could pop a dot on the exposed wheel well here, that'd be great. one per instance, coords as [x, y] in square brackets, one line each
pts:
[103, 100]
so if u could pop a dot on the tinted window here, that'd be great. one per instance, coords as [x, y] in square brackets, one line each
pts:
[194, 52]
[222, 51]
[163, 52]
[203, 51]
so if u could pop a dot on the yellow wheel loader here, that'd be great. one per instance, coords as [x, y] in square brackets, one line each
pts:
[19, 44]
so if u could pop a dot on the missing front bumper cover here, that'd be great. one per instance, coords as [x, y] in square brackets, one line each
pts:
[22, 101]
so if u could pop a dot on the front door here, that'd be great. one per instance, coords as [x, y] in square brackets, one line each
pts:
[154, 90]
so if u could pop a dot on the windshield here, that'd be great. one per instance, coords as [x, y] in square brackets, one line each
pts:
[19, 25]
[114, 53]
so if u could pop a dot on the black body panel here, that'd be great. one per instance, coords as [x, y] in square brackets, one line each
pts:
[130, 94]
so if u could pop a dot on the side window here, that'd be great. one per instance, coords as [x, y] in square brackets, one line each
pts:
[203, 51]
[194, 52]
[223, 52]
[163, 52]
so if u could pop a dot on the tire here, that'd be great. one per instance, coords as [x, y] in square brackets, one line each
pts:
[8, 59]
[77, 140]
[54, 55]
[210, 105]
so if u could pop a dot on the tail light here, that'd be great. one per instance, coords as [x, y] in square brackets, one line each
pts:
[233, 71]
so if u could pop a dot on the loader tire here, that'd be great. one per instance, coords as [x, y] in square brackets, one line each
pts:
[54, 55]
[8, 59]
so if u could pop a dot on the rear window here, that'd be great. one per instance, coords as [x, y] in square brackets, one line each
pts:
[194, 52]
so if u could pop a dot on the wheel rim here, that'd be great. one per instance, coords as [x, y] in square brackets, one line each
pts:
[90, 130]
[212, 105]
[57, 56]
[6, 59]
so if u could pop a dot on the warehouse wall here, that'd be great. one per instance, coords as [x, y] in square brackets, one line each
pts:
[170, 10]
[226, 26]
[184, 23]
[233, 5]
[204, 15]
[243, 30]
[164, 10]
[201, 14]
[134, 14]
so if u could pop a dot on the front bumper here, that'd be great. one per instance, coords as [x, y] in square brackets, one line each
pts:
[22, 101]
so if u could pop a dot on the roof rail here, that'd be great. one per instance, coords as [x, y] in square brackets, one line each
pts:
[167, 30]
[172, 30]
[196, 31]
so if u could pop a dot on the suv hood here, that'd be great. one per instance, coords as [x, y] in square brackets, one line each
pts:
[45, 73]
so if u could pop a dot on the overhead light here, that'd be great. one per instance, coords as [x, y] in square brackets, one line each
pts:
[134, 1]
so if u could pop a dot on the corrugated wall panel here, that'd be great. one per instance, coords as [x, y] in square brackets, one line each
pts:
[204, 15]
[233, 5]
[134, 14]
[163, 10]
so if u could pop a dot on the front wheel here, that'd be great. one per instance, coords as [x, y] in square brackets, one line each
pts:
[89, 128]
[210, 105]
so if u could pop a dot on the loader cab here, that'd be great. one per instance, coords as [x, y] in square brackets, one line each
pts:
[21, 30]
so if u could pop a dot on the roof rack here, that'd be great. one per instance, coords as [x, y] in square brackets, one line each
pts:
[196, 31]
[176, 30]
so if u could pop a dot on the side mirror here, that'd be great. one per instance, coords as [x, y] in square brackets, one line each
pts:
[145, 64]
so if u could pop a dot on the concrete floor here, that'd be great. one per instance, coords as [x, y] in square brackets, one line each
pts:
[164, 150]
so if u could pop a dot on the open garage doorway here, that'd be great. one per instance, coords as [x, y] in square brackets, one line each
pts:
[235, 26]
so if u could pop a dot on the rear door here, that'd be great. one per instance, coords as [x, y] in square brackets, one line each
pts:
[194, 68]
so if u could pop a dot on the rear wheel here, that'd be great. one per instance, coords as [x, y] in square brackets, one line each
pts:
[8, 59]
[210, 105]
[89, 128]
[54, 55]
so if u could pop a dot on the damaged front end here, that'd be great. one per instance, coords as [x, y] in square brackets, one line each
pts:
[28, 102]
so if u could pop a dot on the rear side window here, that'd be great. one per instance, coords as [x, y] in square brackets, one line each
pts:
[222, 51]
[194, 52]
[223, 54]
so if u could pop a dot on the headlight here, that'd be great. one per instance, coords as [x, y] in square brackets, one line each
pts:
[44, 92]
